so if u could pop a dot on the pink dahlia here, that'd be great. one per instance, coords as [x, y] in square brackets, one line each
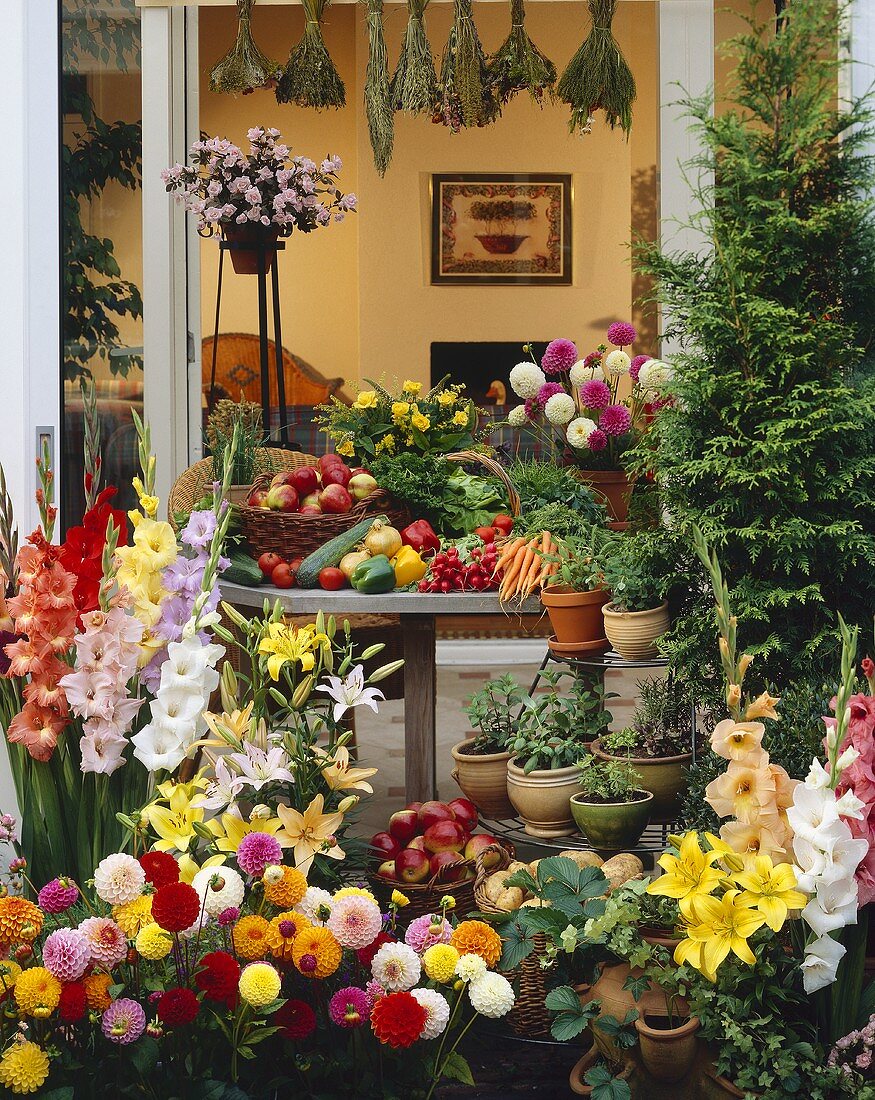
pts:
[426, 931]
[349, 1007]
[533, 408]
[257, 851]
[597, 440]
[636, 365]
[374, 991]
[595, 394]
[228, 916]
[615, 420]
[593, 358]
[560, 355]
[124, 1021]
[355, 921]
[106, 940]
[66, 954]
[58, 895]
[547, 391]
[622, 334]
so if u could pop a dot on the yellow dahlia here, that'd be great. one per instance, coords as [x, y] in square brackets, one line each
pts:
[289, 890]
[250, 937]
[20, 920]
[153, 943]
[37, 990]
[9, 971]
[316, 953]
[24, 1067]
[282, 932]
[474, 937]
[440, 962]
[97, 991]
[259, 984]
[354, 892]
[134, 915]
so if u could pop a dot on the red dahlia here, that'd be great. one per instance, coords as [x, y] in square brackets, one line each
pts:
[219, 976]
[296, 1020]
[398, 1019]
[160, 867]
[177, 1007]
[176, 906]
[71, 1007]
[365, 955]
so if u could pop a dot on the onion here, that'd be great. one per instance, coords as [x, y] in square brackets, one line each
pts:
[383, 539]
[349, 561]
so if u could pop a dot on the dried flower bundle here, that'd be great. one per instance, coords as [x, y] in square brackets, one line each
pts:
[466, 99]
[378, 106]
[414, 85]
[310, 77]
[518, 65]
[245, 67]
[598, 76]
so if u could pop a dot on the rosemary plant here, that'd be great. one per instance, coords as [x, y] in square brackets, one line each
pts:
[414, 86]
[378, 105]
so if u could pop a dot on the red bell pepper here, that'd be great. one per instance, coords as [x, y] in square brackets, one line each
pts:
[420, 535]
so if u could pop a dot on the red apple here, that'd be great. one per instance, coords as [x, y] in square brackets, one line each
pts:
[327, 461]
[446, 859]
[257, 499]
[311, 500]
[335, 499]
[282, 498]
[310, 510]
[417, 842]
[477, 844]
[466, 813]
[387, 870]
[268, 562]
[445, 836]
[403, 825]
[411, 865]
[362, 485]
[305, 479]
[284, 477]
[413, 806]
[386, 845]
[336, 475]
[430, 813]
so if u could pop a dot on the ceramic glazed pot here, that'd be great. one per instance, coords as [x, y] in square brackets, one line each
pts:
[541, 798]
[576, 1078]
[614, 489]
[667, 1053]
[245, 259]
[483, 779]
[612, 826]
[576, 617]
[664, 777]
[633, 634]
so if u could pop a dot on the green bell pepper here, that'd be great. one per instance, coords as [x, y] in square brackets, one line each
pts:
[373, 576]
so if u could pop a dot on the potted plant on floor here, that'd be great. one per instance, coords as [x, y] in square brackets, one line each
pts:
[657, 743]
[481, 761]
[611, 809]
[637, 614]
[553, 733]
[575, 594]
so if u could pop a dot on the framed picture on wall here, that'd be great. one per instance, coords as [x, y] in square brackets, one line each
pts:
[501, 229]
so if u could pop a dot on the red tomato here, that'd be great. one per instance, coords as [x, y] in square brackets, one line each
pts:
[282, 576]
[295, 565]
[503, 523]
[268, 562]
[485, 533]
[331, 579]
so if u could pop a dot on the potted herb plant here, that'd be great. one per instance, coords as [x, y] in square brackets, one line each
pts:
[611, 809]
[481, 761]
[657, 743]
[554, 730]
[574, 595]
[250, 457]
[637, 614]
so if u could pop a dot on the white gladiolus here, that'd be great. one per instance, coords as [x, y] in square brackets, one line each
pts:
[821, 963]
[833, 906]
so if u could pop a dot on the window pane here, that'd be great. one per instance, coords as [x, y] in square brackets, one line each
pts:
[102, 259]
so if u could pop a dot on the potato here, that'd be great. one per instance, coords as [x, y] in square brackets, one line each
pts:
[535, 903]
[533, 866]
[495, 884]
[583, 859]
[509, 899]
[517, 866]
[621, 868]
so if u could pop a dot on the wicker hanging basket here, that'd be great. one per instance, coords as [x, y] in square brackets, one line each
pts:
[463, 458]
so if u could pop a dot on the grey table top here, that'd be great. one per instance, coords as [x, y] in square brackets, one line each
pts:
[307, 601]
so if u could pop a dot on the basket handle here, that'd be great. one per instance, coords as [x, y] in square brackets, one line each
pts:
[483, 872]
[492, 467]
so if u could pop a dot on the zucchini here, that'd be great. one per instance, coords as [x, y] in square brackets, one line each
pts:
[333, 551]
[242, 570]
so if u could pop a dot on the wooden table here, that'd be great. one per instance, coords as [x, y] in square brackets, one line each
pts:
[417, 612]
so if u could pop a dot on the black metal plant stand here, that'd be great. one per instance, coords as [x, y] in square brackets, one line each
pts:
[261, 249]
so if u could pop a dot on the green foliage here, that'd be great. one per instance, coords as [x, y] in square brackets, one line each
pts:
[637, 570]
[605, 1086]
[492, 711]
[540, 484]
[417, 481]
[96, 297]
[246, 418]
[661, 725]
[770, 444]
[608, 780]
[580, 560]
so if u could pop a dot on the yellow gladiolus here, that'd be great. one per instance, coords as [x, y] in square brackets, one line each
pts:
[688, 875]
[744, 791]
[770, 889]
[739, 741]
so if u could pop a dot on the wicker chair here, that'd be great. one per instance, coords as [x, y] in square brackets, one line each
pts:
[238, 373]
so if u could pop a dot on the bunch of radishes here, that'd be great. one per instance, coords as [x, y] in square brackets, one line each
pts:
[331, 487]
[452, 571]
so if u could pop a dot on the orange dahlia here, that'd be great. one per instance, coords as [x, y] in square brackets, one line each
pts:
[37, 992]
[289, 890]
[283, 929]
[250, 937]
[474, 937]
[20, 920]
[316, 953]
[97, 991]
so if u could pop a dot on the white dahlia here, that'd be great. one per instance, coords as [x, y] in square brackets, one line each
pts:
[654, 374]
[355, 921]
[119, 879]
[315, 905]
[470, 968]
[517, 416]
[437, 1012]
[579, 431]
[616, 362]
[526, 379]
[219, 888]
[396, 966]
[581, 373]
[492, 995]
[560, 408]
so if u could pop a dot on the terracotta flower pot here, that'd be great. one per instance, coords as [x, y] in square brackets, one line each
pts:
[614, 488]
[576, 1078]
[664, 777]
[576, 617]
[667, 1053]
[541, 798]
[633, 633]
[483, 779]
[248, 237]
[615, 1000]
[238, 494]
[612, 826]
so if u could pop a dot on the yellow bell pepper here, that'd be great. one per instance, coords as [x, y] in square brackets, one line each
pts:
[409, 567]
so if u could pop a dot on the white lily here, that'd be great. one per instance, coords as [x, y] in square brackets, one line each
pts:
[258, 767]
[351, 692]
[223, 788]
[821, 963]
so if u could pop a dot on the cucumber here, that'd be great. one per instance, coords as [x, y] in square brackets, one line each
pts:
[242, 570]
[332, 552]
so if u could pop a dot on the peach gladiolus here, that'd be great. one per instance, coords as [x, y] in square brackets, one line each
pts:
[739, 741]
[743, 792]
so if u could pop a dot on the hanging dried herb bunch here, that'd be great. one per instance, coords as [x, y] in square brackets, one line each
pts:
[245, 67]
[310, 78]
[466, 98]
[378, 108]
[519, 66]
[414, 84]
[598, 77]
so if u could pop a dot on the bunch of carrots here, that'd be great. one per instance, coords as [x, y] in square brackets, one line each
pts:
[526, 564]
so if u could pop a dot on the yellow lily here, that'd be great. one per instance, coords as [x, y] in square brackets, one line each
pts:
[688, 875]
[723, 925]
[229, 729]
[231, 828]
[770, 889]
[341, 776]
[310, 833]
[174, 823]
[287, 644]
[763, 707]
[188, 868]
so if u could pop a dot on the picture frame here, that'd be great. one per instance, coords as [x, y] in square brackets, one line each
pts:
[478, 229]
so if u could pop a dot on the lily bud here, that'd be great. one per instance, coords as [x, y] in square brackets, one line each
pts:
[346, 804]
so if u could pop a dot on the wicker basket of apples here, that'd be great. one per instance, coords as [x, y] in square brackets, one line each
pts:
[429, 850]
[297, 511]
